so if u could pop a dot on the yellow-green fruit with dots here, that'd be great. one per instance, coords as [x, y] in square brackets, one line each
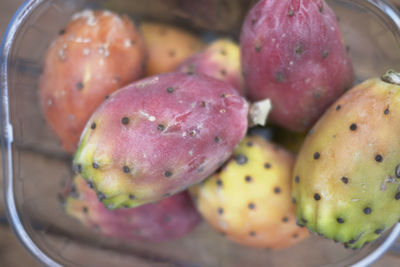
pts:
[346, 180]
[249, 199]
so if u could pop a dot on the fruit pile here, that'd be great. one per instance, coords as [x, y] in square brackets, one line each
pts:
[160, 123]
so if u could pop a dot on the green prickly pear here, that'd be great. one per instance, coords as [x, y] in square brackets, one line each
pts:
[346, 180]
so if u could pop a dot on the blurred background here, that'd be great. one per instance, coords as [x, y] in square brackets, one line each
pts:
[12, 253]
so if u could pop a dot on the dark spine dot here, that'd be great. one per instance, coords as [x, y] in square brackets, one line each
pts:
[93, 126]
[285, 219]
[297, 179]
[79, 168]
[317, 197]
[267, 165]
[338, 107]
[170, 90]
[378, 158]
[79, 85]
[219, 182]
[378, 231]
[397, 171]
[167, 219]
[367, 210]
[251, 206]
[257, 48]
[353, 127]
[107, 97]
[240, 159]
[277, 190]
[304, 220]
[223, 72]
[397, 196]
[217, 139]
[160, 127]
[317, 155]
[290, 13]
[386, 112]
[352, 241]
[252, 233]
[299, 49]
[220, 211]
[167, 195]
[85, 209]
[62, 32]
[222, 52]
[168, 174]
[125, 120]
[131, 197]
[95, 165]
[101, 196]
[295, 235]
[249, 144]
[90, 184]
[171, 53]
[345, 180]
[248, 179]
[340, 220]
[280, 77]
[126, 169]
[325, 54]
[294, 200]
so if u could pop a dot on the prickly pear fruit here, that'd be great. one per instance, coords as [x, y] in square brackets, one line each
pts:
[293, 53]
[221, 60]
[97, 53]
[346, 178]
[170, 218]
[249, 200]
[158, 136]
[167, 46]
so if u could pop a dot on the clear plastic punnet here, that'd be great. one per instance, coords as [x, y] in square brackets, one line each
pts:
[35, 168]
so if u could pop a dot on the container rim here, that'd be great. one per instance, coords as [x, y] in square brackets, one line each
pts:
[7, 135]
[7, 138]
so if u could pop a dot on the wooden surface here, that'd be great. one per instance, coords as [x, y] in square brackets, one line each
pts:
[13, 254]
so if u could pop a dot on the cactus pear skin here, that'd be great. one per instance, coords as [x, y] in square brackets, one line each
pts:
[249, 199]
[158, 136]
[293, 53]
[346, 176]
[168, 219]
[97, 53]
[167, 46]
[221, 60]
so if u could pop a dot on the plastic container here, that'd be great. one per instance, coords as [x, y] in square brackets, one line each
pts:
[35, 167]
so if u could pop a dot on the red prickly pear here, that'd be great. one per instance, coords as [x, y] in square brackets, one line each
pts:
[158, 136]
[293, 53]
[97, 53]
[168, 219]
